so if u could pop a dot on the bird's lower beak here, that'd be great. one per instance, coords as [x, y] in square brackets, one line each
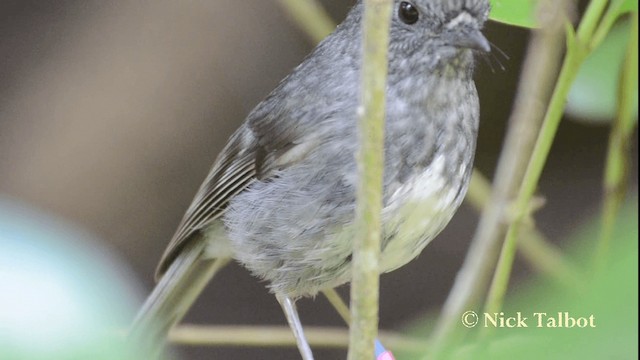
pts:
[470, 39]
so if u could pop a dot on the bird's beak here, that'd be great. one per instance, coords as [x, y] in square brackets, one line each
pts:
[470, 39]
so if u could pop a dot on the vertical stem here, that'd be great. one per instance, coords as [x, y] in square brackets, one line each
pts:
[591, 18]
[371, 113]
[618, 155]
[608, 19]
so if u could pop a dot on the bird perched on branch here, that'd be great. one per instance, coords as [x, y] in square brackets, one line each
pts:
[280, 197]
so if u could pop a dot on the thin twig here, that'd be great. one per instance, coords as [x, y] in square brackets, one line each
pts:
[310, 16]
[370, 156]
[619, 154]
[538, 251]
[611, 15]
[336, 301]
[276, 336]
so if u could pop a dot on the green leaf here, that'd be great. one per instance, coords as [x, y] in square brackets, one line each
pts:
[594, 95]
[515, 12]
[629, 6]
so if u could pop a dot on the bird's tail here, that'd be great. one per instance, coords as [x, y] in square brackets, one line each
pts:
[172, 297]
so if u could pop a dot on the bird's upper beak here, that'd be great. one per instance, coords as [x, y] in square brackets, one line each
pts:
[469, 38]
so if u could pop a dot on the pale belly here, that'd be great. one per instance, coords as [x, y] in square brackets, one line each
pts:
[418, 210]
[297, 262]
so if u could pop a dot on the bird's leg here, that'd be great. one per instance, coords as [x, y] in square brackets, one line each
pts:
[290, 311]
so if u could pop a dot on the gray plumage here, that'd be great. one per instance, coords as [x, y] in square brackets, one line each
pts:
[280, 198]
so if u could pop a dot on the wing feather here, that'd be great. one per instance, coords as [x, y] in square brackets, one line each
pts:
[232, 172]
[269, 141]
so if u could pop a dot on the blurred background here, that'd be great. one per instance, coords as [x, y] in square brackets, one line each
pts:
[111, 114]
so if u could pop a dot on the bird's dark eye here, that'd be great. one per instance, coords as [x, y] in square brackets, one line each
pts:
[408, 13]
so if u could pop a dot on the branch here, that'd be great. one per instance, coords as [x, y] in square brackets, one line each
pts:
[618, 156]
[541, 254]
[371, 113]
[277, 336]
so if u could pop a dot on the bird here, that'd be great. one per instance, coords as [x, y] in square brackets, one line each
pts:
[280, 197]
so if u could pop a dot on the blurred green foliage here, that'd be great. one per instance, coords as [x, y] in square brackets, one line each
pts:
[594, 95]
[628, 6]
[514, 12]
[610, 296]
[523, 12]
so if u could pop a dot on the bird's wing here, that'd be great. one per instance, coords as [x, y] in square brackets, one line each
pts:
[233, 170]
[252, 153]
